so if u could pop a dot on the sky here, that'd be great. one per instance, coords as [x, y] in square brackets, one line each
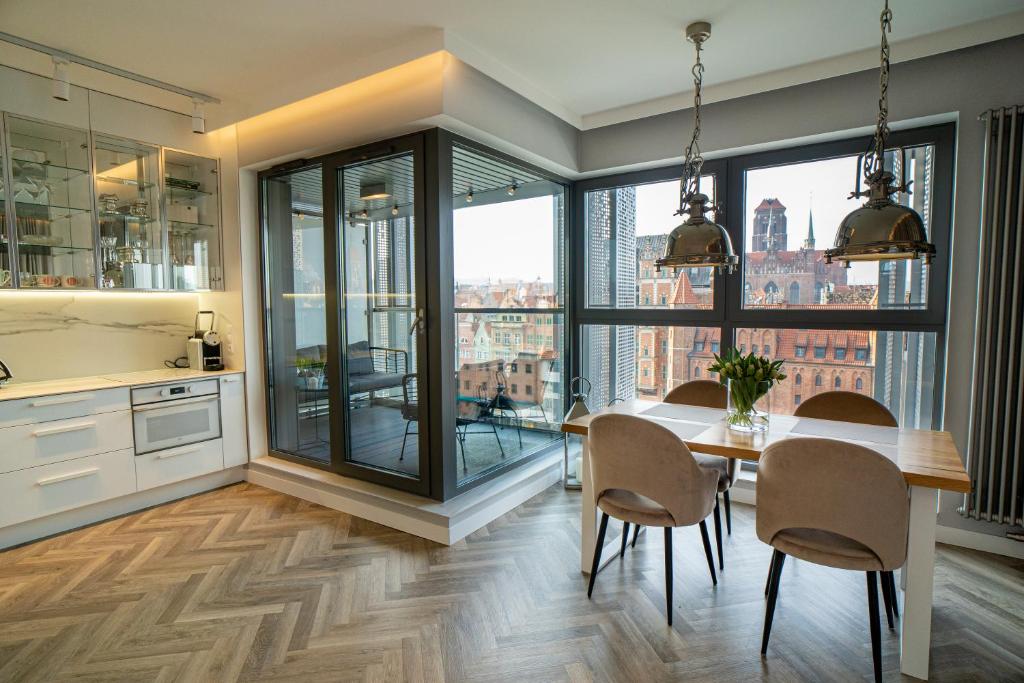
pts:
[509, 241]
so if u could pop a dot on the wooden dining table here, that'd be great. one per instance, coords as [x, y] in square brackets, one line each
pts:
[928, 459]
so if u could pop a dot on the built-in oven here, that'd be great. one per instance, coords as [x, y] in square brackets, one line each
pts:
[168, 415]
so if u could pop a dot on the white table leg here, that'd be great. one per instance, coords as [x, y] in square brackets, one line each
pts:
[588, 511]
[918, 579]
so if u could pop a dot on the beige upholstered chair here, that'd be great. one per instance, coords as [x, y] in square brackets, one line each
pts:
[708, 394]
[836, 504]
[644, 474]
[846, 406]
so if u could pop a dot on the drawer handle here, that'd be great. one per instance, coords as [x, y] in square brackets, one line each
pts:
[70, 475]
[64, 428]
[60, 400]
[229, 380]
[178, 451]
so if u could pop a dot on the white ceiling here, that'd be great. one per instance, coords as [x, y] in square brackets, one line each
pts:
[591, 62]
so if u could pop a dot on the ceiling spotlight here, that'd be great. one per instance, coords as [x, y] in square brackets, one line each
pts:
[469, 197]
[512, 189]
[61, 86]
[373, 190]
[394, 210]
[198, 118]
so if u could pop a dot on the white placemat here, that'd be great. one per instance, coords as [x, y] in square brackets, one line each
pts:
[684, 430]
[847, 431]
[675, 411]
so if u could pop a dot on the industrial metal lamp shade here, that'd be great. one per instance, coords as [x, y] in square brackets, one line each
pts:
[698, 242]
[881, 230]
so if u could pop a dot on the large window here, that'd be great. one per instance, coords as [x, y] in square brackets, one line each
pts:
[876, 328]
[508, 226]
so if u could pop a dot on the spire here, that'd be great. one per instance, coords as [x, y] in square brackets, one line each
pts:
[809, 242]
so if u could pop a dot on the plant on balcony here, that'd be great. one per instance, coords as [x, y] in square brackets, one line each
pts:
[748, 379]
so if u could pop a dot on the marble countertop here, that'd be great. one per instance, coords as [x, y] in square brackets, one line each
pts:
[16, 389]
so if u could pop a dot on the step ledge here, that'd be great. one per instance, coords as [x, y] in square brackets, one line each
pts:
[444, 522]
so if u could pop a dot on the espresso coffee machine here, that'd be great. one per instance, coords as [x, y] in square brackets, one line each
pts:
[204, 345]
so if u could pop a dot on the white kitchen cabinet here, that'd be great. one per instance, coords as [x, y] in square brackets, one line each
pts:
[232, 415]
[44, 443]
[175, 464]
[62, 406]
[48, 489]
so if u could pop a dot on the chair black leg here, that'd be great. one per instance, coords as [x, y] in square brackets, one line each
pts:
[668, 573]
[893, 594]
[728, 513]
[597, 553]
[778, 559]
[876, 631]
[498, 439]
[462, 449]
[625, 539]
[707, 550]
[768, 579]
[636, 533]
[401, 456]
[886, 599]
[718, 534]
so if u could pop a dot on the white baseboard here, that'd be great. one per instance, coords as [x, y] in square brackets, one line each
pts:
[1000, 545]
[445, 523]
[37, 529]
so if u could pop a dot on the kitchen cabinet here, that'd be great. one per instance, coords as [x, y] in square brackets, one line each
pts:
[128, 211]
[192, 201]
[232, 418]
[48, 209]
[87, 210]
[71, 446]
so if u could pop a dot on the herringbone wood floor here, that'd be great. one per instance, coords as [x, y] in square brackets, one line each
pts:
[246, 583]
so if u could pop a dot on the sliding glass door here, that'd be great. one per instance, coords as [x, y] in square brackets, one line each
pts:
[383, 320]
[296, 322]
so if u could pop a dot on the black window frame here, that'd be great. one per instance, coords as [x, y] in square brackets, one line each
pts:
[727, 312]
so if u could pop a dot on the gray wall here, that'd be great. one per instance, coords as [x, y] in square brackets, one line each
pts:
[956, 86]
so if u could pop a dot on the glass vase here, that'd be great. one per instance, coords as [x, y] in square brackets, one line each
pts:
[748, 405]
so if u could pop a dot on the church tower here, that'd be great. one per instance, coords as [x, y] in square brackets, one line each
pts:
[769, 232]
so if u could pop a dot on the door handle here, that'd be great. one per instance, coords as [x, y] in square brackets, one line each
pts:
[64, 428]
[178, 451]
[417, 323]
[60, 400]
[65, 477]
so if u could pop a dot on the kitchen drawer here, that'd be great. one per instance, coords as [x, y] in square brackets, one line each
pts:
[62, 406]
[181, 462]
[48, 489]
[43, 443]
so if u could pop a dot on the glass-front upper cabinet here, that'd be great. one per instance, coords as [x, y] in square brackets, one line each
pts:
[193, 221]
[51, 189]
[128, 213]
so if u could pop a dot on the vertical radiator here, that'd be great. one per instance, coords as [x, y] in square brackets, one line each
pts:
[997, 419]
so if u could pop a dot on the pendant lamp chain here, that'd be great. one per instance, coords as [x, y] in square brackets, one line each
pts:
[874, 160]
[694, 161]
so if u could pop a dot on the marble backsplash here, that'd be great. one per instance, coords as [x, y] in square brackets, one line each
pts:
[56, 335]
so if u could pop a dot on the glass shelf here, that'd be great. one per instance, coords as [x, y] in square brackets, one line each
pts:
[114, 215]
[64, 212]
[185, 193]
[142, 184]
[183, 226]
[27, 168]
